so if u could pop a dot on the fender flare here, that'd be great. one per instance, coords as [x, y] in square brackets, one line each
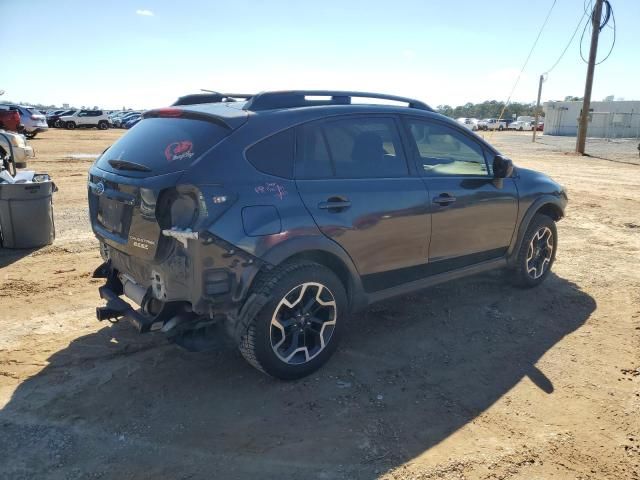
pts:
[554, 201]
[319, 243]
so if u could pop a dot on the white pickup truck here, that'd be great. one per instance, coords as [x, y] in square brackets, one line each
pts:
[493, 124]
[86, 118]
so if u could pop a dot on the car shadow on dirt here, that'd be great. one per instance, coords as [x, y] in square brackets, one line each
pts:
[12, 255]
[409, 373]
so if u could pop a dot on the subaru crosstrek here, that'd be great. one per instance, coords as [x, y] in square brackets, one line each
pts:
[272, 217]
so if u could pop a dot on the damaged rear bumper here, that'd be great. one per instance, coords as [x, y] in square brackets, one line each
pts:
[202, 281]
[117, 308]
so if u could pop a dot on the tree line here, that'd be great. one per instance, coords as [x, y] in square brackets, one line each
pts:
[488, 109]
[493, 109]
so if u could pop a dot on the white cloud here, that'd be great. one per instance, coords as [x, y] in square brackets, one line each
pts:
[144, 12]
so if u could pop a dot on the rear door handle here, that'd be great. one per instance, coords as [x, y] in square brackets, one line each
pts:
[444, 199]
[335, 204]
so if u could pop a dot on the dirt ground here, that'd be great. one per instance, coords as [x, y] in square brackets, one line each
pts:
[473, 379]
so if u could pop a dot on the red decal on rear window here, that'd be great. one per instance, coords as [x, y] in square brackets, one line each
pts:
[179, 150]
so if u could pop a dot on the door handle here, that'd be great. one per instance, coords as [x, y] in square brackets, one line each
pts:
[335, 204]
[444, 199]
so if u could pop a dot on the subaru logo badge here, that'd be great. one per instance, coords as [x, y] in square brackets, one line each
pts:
[98, 188]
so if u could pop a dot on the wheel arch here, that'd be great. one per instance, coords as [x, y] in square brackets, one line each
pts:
[548, 205]
[324, 252]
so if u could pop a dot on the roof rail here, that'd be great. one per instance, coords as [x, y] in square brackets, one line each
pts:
[298, 98]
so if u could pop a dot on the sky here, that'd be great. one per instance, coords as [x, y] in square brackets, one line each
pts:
[146, 53]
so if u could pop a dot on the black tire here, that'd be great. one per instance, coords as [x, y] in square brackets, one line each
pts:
[522, 274]
[30, 135]
[287, 282]
[500, 128]
[102, 125]
[70, 125]
[57, 124]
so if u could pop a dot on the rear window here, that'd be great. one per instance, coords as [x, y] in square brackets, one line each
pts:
[162, 145]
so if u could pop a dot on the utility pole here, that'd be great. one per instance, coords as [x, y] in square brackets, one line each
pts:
[535, 124]
[584, 115]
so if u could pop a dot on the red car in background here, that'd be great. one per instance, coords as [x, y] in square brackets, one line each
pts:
[10, 120]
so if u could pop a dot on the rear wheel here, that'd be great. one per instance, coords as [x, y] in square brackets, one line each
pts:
[30, 135]
[297, 331]
[537, 252]
[102, 125]
[70, 125]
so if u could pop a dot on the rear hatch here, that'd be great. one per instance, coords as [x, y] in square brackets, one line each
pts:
[133, 183]
[37, 116]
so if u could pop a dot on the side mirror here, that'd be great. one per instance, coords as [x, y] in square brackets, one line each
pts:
[502, 167]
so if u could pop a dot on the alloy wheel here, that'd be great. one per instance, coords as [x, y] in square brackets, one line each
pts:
[303, 323]
[540, 253]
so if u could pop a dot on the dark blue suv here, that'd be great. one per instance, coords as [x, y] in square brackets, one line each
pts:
[271, 217]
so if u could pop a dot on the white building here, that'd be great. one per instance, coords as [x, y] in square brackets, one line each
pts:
[615, 119]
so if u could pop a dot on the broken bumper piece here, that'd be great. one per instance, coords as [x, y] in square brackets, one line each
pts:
[116, 309]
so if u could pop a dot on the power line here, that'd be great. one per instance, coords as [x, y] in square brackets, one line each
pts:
[527, 60]
[585, 14]
[609, 15]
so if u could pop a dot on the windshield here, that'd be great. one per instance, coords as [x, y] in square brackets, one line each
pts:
[163, 145]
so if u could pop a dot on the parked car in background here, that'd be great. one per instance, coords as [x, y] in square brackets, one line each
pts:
[132, 120]
[54, 119]
[14, 145]
[51, 113]
[33, 120]
[540, 125]
[117, 116]
[470, 123]
[120, 121]
[85, 119]
[526, 119]
[10, 120]
[494, 124]
[518, 125]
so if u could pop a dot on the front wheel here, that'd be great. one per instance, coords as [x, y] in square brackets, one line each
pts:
[70, 125]
[103, 125]
[537, 252]
[298, 330]
[30, 135]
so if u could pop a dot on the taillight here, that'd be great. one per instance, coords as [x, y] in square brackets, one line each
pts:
[165, 113]
[182, 207]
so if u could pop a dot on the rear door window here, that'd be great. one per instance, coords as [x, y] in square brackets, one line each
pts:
[354, 147]
[161, 145]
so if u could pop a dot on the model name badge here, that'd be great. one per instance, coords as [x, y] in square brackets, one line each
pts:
[142, 243]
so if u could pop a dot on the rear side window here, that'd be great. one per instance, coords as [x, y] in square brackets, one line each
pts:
[356, 147]
[162, 145]
[274, 155]
[313, 153]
